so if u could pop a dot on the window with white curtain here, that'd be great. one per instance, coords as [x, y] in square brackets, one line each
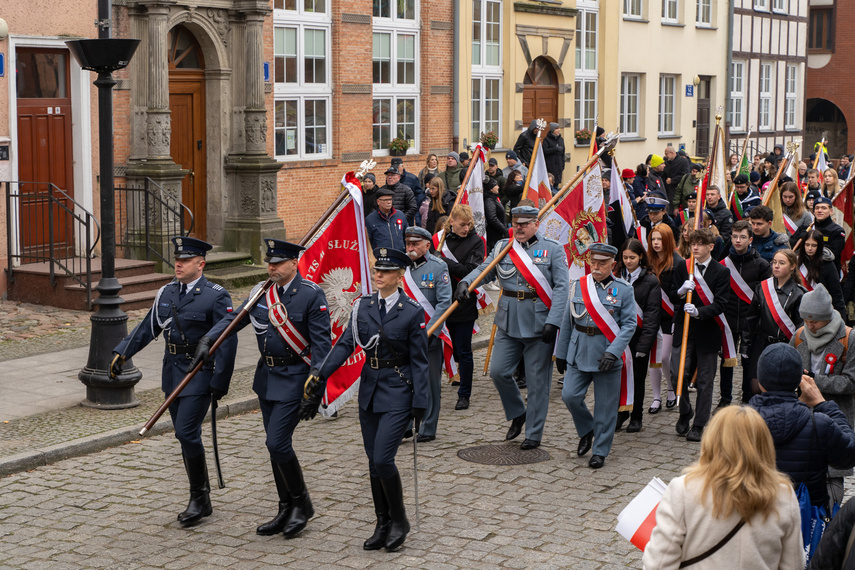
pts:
[764, 87]
[667, 104]
[790, 95]
[629, 94]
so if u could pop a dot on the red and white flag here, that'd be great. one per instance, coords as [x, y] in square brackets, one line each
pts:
[539, 190]
[411, 288]
[336, 258]
[618, 193]
[637, 520]
[579, 221]
[841, 212]
[473, 192]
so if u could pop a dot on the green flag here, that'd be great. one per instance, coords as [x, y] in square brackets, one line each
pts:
[745, 167]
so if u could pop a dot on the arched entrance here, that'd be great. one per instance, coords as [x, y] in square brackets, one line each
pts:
[540, 92]
[188, 145]
[822, 117]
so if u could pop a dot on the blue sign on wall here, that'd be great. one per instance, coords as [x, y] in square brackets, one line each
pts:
[690, 90]
[266, 72]
[2, 65]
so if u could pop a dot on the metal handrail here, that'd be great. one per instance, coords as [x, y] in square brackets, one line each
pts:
[28, 236]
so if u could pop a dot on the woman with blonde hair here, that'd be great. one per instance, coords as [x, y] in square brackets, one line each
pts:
[830, 183]
[431, 167]
[731, 509]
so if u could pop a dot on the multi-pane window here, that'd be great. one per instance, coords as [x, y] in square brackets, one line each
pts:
[667, 104]
[486, 32]
[765, 104]
[632, 9]
[779, 5]
[395, 71]
[485, 106]
[703, 14]
[761, 5]
[586, 104]
[737, 95]
[670, 11]
[486, 67]
[790, 85]
[629, 93]
[301, 79]
[586, 45]
[821, 29]
[587, 31]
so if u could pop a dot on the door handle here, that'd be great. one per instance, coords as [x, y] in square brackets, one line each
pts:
[199, 145]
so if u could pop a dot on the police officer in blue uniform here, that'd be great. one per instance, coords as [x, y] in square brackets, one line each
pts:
[587, 356]
[390, 327]
[184, 310]
[281, 373]
[430, 274]
[526, 327]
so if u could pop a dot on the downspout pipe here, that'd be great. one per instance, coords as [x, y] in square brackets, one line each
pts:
[455, 81]
[728, 78]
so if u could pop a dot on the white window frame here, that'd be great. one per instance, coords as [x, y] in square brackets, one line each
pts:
[761, 5]
[764, 105]
[664, 97]
[791, 83]
[737, 96]
[582, 119]
[630, 104]
[633, 9]
[393, 14]
[481, 64]
[301, 91]
[394, 90]
[482, 108]
[703, 13]
[666, 11]
[582, 32]
[780, 6]
[586, 75]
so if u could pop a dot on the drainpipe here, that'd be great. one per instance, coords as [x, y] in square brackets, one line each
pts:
[455, 81]
[728, 79]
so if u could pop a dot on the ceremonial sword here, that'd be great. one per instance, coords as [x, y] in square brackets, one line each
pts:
[220, 481]
[416, 469]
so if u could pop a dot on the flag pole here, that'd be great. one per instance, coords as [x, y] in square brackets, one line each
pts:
[741, 158]
[819, 152]
[610, 143]
[459, 195]
[698, 209]
[625, 191]
[541, 126]
[774, 185]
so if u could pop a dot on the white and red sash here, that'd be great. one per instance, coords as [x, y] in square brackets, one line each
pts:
[482, 299]
[532, 274]
[784, 322]
[639, 316]
[728, 347]
[789, 224]
[607, 324]
[737, 283]
[412, 289]
[279, 319]
[808, 284]
[667, 305]
[641, 232]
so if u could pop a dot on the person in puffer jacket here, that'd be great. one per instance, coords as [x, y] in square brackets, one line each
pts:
[834, 551]
[810, 434]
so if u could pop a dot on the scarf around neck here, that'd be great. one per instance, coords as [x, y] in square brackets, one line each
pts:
[817, 342]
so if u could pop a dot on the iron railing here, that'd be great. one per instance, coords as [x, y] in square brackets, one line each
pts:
[46, 225]
[147, 217]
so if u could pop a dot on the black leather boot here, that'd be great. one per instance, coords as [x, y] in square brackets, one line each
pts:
[301, 505]
[200, 491]
[381, 509]
[277, 525]
[399, 526]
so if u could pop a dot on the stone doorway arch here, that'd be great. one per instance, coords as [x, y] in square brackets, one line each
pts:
[540, 92]
[824, 117]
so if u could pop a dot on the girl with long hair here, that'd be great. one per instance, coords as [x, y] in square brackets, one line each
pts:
[816, 265]
[793, 208]
[734, 486]
[664, 259]
[513, 190]
[634, 268]
[432, 209]
[431, 167]
[830, 183]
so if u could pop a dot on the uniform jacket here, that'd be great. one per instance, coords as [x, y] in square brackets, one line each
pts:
[803, 450]
[748, 202]
[431, 276]
[307, 310]
[583, 352]
[849, 284]
[685, 528]
[386, 230]
[834, 238]
[648, 297]
[761, 325]
[753, 269]
[384, 389]
[666, 219]
[704, 327]
[525, 318]
[197, 312]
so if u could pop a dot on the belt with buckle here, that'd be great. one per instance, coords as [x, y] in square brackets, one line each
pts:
[181, 348]
[272, 361]
[377, 363]
[590, 331]
[520, 295]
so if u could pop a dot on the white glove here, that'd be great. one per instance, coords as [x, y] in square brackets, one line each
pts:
[640, 355]
[688, 285]
[691, 309]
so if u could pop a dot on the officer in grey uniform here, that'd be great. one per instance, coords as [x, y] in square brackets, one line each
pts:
[184, 310]
[526, 327]
[431, 276]
[587, 356]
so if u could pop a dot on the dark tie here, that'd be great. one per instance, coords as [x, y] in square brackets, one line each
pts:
[382, 308]
[281, 291]
[701, 269]
[183, 291]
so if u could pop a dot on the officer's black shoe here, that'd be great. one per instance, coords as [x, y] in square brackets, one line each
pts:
[400, 525]
[596, 461]
[425, 438]
[301, 505]
[621, 419]
[530, 444]
[381, 509]
[462, 403]
[277, 525]
[585, 443]
[200, 491]
[516, 427]
[683, 423]
[695, 434]
[634, 426]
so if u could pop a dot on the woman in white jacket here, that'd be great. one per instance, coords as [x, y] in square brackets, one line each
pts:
[733, 508]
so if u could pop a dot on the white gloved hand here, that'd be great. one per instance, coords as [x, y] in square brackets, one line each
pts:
[688, 285]
[640, 355]
[691, 309]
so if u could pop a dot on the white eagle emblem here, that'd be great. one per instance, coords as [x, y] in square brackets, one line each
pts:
[270, 244]
[178, 242]
[336, 286]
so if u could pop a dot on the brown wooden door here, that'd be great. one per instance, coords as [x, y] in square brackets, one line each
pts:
[188, 143]
[702, 137]
[44, 151]
[540, 93]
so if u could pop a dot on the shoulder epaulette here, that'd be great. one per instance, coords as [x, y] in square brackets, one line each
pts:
[214, 286]
[551, 240]
[622, 280]
[311, 284]
[412, 301]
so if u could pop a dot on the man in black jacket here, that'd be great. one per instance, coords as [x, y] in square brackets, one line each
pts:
[833, 236]
[525, 142]
[412, 181]
[676, 167]
[807, 441]
[494, 213]
[403, 200]
[722, 214]
[553, 152]
[704, 340]
[747, 270]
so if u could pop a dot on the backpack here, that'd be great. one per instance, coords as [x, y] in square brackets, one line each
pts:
[844, 340]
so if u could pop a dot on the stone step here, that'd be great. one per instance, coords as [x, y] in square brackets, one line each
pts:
[140, 300]
[237, 276]
[218, 258]
[133, 284]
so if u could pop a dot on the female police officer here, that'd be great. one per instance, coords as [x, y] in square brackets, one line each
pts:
[390, 327]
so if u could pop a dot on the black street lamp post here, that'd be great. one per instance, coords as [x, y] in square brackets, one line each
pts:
[109, 323]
